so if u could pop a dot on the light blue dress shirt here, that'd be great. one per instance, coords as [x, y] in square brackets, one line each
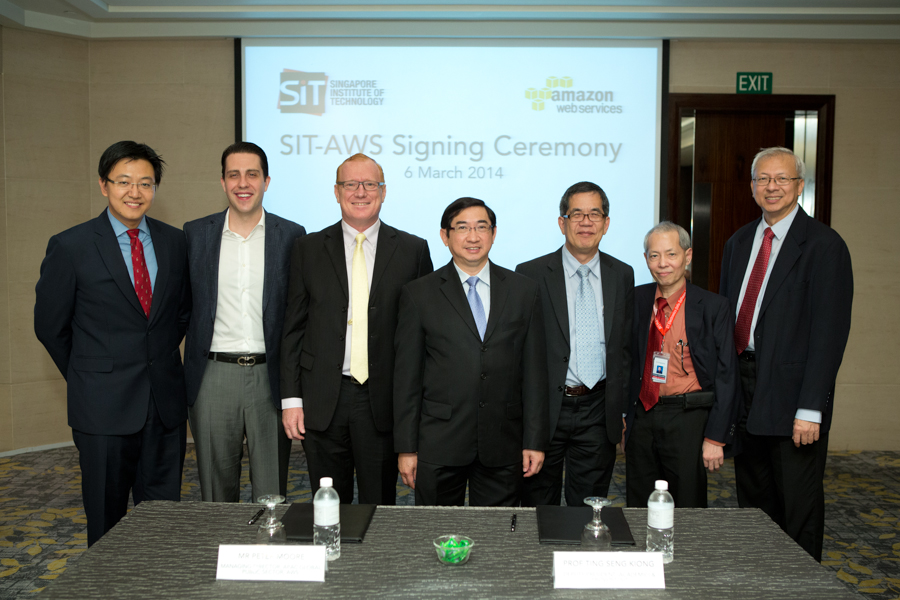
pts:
[125, 246]
[570, 267]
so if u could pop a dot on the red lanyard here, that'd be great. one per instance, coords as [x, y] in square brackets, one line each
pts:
[665, 330]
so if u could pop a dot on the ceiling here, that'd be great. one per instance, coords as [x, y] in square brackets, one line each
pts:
[621, 19]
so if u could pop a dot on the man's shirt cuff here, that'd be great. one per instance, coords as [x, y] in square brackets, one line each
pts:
[291, 403]
[805, 414]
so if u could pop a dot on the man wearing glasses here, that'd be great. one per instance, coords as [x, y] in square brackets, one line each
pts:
[470, 395]
[337, 352]
[588, 302]
[790, 283]
[112, 307]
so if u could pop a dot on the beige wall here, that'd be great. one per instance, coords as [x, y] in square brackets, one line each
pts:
[865, 79]
[65, 100]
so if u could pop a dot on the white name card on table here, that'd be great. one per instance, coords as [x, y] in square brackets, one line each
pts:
[271, 563]
[608, 570]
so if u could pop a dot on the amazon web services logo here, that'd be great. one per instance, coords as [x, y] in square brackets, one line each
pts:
[302, 92]
[560, 93]
[538, 97]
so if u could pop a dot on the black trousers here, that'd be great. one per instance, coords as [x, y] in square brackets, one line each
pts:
[352, 442]
[147, 464]
[666, 442]
[581, 445]
[781, 479]
[440, 485]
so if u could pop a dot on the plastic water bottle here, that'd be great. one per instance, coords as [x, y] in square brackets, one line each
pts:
[661, 522]
[327, 519]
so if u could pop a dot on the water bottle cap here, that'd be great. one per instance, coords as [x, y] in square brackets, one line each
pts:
[662, 484]
[328, 482]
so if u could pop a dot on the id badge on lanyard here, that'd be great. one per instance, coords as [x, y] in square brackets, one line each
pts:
[660, 371]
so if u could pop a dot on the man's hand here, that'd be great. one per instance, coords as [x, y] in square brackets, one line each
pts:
[292, 420]
[805, 432]
[407, 464]
[532, 461]
[713, 456]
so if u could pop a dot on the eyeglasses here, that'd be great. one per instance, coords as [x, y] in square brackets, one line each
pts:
[124, 186]
[481, 228]
[578, 217]
[369, 186]
[778, 180]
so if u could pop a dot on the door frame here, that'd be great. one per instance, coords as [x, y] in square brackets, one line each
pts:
[824, 104]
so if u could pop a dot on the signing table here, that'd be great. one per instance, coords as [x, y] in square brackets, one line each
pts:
[169, 550]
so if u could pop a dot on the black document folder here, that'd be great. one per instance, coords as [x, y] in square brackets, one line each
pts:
[564, 524]
[355, 519]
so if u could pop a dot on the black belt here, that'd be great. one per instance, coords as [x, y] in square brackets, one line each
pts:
[353, 380]
[747, 356]
[583, 390]
[698, 399]
[245, 360]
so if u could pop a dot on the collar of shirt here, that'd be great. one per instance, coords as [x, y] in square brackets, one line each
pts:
[370, 243]
[120, 229]
[671, 299]
[226, 230]
[571, 264]
[780, 228]
[484, 275]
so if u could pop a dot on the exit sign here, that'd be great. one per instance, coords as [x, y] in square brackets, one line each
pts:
[754, 83]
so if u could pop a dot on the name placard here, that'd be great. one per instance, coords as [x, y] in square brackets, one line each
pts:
[608, 570]
[271, 563]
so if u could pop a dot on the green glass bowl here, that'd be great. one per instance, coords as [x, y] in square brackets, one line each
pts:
[453, 549]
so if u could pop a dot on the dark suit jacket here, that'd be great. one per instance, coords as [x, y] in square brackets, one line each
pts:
[204, 242]
[803, 322]
[315, 321]
[457, 398]
[89, 319]
[709, 325]
[617, 279]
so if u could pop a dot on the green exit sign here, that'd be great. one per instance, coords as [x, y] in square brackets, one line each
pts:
[754, 83]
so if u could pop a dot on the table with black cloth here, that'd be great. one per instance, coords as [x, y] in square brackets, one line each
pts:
[170, 549]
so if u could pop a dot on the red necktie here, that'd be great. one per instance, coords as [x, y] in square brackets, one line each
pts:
[748, 307]
[650, 389]
[141, 276]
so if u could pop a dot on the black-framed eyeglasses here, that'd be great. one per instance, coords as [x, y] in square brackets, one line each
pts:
[578, 217]
[778, 180]
[352, 186]
[481, 228]
[125, 186]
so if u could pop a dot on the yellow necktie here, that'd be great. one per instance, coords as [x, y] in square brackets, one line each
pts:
[359, 302]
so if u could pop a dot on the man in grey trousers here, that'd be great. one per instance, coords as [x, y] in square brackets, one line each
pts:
[239, 261]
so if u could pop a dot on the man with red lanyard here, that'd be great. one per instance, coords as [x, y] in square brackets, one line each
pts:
[683, 395]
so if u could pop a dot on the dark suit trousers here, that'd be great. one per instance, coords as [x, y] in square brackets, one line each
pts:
[147, 463]
[440, 485]
[352, 441]
[666, 442]
[580, 442]
[783, 480]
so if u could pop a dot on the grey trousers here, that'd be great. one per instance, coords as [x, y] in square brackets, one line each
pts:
[236, 402]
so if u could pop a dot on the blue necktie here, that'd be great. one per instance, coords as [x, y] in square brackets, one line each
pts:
[587, 331]
[476, 306]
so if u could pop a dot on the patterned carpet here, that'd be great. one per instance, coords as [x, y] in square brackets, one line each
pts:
[42, 525]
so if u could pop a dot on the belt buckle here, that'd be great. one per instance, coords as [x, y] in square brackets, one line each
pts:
[246, 361]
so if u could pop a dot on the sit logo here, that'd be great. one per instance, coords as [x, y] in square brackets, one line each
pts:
[302, 92]
[537, 97]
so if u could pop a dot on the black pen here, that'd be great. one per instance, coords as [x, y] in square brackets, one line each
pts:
[256, 517]
[512, 523]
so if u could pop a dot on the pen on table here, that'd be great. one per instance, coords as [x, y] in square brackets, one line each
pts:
[512, 523]
[256, 516]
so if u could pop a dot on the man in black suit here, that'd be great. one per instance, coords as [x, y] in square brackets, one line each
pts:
[588, 351]
[684, 393]
[790, 283]
[470, 396]
[239, 261]
[337, 365]
[112, 307]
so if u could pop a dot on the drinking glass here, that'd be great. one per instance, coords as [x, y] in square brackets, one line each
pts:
[271, 529]
[596, 536]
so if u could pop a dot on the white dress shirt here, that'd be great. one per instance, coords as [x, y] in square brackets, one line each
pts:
[780, 230]
[482, 286]
[239, 320]
[573, 282]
